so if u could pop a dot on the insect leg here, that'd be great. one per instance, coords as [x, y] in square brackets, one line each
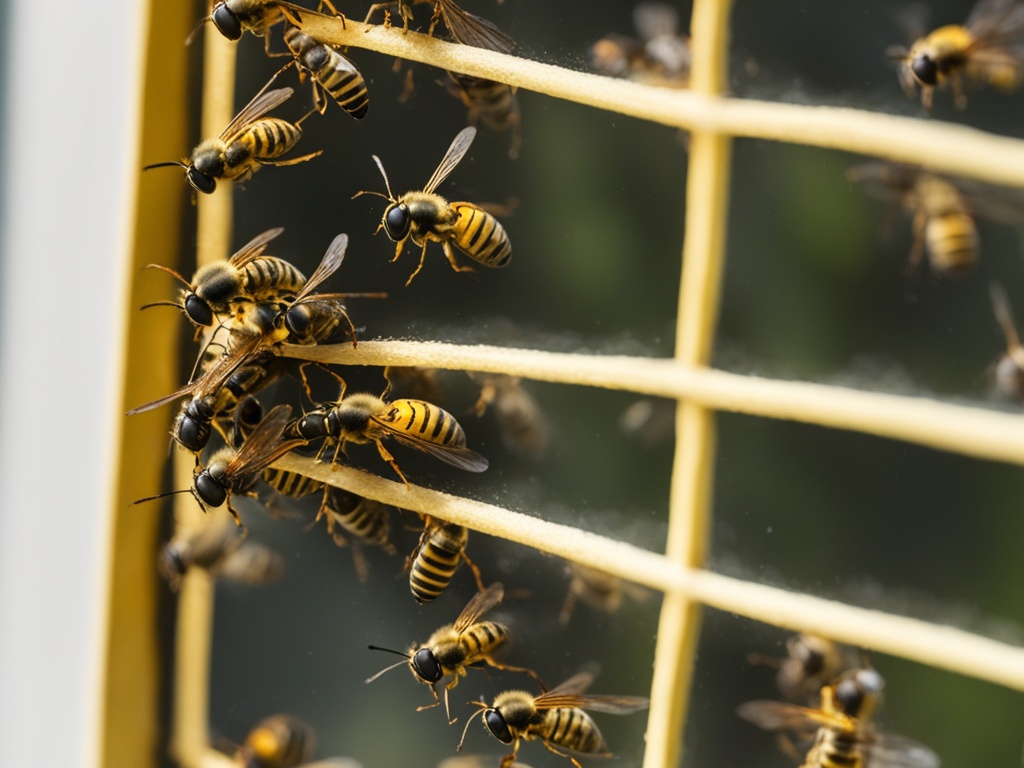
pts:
[391, 460]
[451, 259]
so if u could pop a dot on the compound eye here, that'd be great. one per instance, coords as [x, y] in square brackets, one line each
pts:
[397, 221]
[497, 726]
[297, 319]
[200, 181]
[226, 22]
[925, 70]
[192, 433]
[198, 311]
[424, 663]
[210, 491]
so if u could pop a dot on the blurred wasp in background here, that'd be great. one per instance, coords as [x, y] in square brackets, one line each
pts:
[658, 56]
[1009, 369]
[839, 731]
[811, 662]
[943, 212]
[988, 49]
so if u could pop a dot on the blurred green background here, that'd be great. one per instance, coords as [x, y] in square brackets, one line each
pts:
[814, 290]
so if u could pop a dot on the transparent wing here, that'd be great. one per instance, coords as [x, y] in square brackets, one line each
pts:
[263, 102]
[328, 266]
[655, 19]
[469, 29]
[481, 603]
[783, 716]
[263, 447]
[1004, 314]
[614, 705]
[213, 378]
[995, 23]
[890, 750]
[457, 456]
[452, 157]
[254, 248]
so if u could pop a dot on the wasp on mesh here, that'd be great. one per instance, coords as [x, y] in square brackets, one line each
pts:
[811, 662]
[222, 550]
[558, 718]
[1009, 369]
[331, 74]
[278, 741]
[490, 103]
[214, 395]
[601, 591]
[658, 56]
[365, 418]
[465, 28]
[234, 17]
[311, 318]
[250, 141]
[985, 49]
[439, 552]
[235, 471]
[839, 731]
[226, 290]
[452, 649]
[524, 428]
[423, 216]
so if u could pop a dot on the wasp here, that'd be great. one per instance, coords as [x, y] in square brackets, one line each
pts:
[278, 741]
[465, 28]
[840, 731]
[524, 428]
[984, 49]
[250, 141]
[491, 103]
[235, 471]
[311, 318]
[601, 591]
[659, 56]
[366, 418]
[422, 216]
[557, 718]
[943, 223]
[222, 550]
[1009, 370]
[455, 647]
[331, 73]
[234, 17]
[439, 552]
[366, 520]
[811, 662]
[227, 289]
[214, 395]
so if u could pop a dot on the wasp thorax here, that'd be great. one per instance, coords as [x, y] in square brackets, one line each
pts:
[193, 427]
[425, 665]
[297, 319]
[397, 221]
[312, 425]
[226, 21]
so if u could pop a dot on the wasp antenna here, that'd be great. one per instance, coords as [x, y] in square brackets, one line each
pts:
[172, 272]
[402, 663]
[176, 163]
[164, 303]
[159, 496]
[196, 28]
[482, 706]
[387, 184]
